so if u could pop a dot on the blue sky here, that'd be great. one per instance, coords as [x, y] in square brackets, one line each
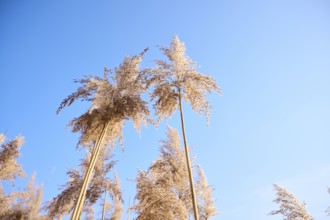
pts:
[271, 59]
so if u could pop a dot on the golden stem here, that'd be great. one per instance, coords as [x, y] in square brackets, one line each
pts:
[192, 189]
[81, 199]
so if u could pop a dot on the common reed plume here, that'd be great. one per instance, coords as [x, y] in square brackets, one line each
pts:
[163, 191]
[290, 208]
[22, 205]
[175, 80]
[63, 203]
[17, 205]
[10, 169]
[205, 198]
[115, 98]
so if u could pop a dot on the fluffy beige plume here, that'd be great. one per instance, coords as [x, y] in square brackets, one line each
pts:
[118, 207]
[204, 194]
[23, 205]
[175, 81]
[114, 98]
[9, 153]
[290, 208]
[179, 77]
[63, 203]
[163, 192]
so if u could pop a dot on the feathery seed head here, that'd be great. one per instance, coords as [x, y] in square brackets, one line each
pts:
[290, 208]
[176, 79]
[115, 98]
[9, 153]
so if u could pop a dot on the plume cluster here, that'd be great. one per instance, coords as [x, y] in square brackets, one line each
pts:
[204, 191]
[63, 203]
[22, 205]
[117, 208]
[115, 98]
[290, 208]
[9, 153]
[177, 78]
[163, 191]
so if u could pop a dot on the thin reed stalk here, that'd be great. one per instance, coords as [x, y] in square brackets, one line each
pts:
[81, 199]
[192, 188]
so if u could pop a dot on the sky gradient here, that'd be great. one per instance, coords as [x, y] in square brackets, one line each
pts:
[271, 59]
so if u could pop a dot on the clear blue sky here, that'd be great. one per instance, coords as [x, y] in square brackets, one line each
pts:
[271, 58]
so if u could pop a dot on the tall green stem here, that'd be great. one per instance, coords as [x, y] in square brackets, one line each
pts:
[192, 189]
[81, 199]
